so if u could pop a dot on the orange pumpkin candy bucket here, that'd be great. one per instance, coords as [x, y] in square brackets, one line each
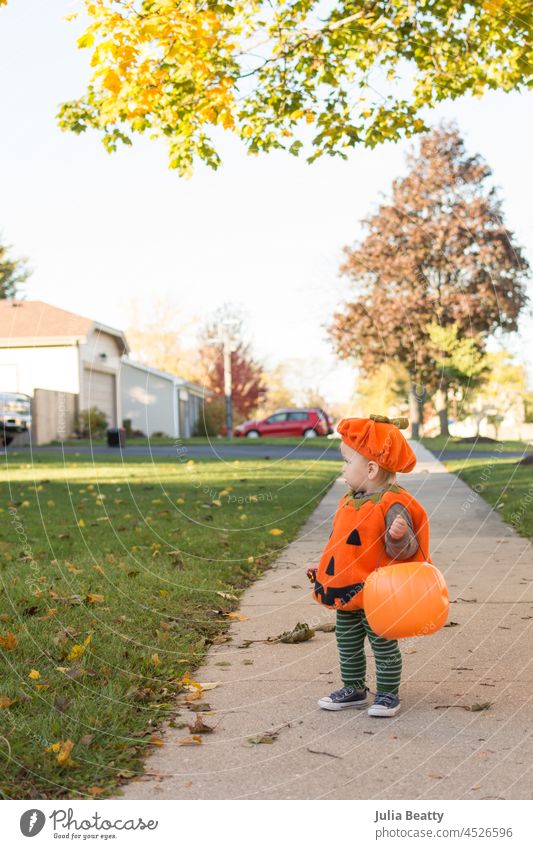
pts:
[406, 600]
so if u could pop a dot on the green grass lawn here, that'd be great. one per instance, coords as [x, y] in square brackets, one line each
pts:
[453, 443]
[505, 485]
[314, 442]
[115, 579]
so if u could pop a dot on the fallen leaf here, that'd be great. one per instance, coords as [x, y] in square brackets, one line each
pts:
[276, 532]
[9, 642]
[95, 791]
[61, 703]
[199, 727]
[155, 660]
[193, 740]
[227, 595]
[63, 753]
[78, 650]
[93, 597]
[156, 741]
[5, 702]
[34, 675]
[235, 616]
[268, 737]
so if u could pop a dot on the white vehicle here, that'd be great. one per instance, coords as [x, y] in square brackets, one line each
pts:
[15, 415]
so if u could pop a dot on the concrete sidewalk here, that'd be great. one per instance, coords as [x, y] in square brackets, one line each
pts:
[426, 751]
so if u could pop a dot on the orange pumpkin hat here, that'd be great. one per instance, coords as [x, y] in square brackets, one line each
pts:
[378, 438]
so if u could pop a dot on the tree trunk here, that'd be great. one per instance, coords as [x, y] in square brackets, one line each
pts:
[441, 406]
[416, 409]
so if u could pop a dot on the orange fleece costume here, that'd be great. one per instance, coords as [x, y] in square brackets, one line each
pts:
[356, 544]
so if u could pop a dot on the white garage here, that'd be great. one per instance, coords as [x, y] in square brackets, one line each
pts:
[99, 390]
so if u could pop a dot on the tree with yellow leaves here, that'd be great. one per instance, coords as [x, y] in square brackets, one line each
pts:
[290, 74]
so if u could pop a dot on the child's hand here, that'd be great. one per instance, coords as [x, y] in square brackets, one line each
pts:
[398, 529]
[311, 573]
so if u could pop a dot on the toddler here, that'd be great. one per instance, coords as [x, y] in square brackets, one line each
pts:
[376, 522]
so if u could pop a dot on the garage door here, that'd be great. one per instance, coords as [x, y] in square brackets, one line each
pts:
[99, 391]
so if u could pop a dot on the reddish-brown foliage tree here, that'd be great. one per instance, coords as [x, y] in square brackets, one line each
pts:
[248, 387]
[438, 251]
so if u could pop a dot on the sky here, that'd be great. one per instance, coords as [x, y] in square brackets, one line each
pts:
[266, 232]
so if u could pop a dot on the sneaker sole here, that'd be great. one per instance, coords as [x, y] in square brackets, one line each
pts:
[333, 706]
[378, 711]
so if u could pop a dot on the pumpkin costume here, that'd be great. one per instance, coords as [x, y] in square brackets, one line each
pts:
[356, 545]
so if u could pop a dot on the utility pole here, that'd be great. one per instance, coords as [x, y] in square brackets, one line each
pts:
[224, 338]
[227, 348]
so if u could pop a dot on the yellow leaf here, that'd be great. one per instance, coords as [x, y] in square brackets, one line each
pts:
[156, 741]
[276, 532]
[155, 659]
[112, 82]
[9, 642]
[6, 703]
[236, 616]
[63, 756]
[77, 650]
[93, 597]
[34, 675]
[81, 523]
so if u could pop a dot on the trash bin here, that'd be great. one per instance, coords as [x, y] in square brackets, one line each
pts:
[116, 437]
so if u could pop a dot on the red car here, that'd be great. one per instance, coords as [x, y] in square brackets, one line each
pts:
[309, 422]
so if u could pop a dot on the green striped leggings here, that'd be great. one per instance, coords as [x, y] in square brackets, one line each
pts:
[351, 628]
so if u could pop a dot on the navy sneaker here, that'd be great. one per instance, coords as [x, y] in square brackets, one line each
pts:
[347, 697]
[385, 704]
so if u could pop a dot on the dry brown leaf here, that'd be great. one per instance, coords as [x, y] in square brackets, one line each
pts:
[235, 616]
[156, 741]
[193, 740]
[267, 737]
[9, 642]
[95, 791]
[199, 727]
[92, 598]
[6, 702]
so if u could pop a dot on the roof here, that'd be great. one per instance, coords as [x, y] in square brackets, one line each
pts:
[37, 323]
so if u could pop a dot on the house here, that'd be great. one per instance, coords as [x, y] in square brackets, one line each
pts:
[158, 402]
[67, 362]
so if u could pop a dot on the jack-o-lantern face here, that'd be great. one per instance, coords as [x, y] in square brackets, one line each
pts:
[356, 546]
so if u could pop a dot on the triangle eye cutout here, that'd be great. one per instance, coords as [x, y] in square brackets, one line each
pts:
[354, 538]
[331, 567]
